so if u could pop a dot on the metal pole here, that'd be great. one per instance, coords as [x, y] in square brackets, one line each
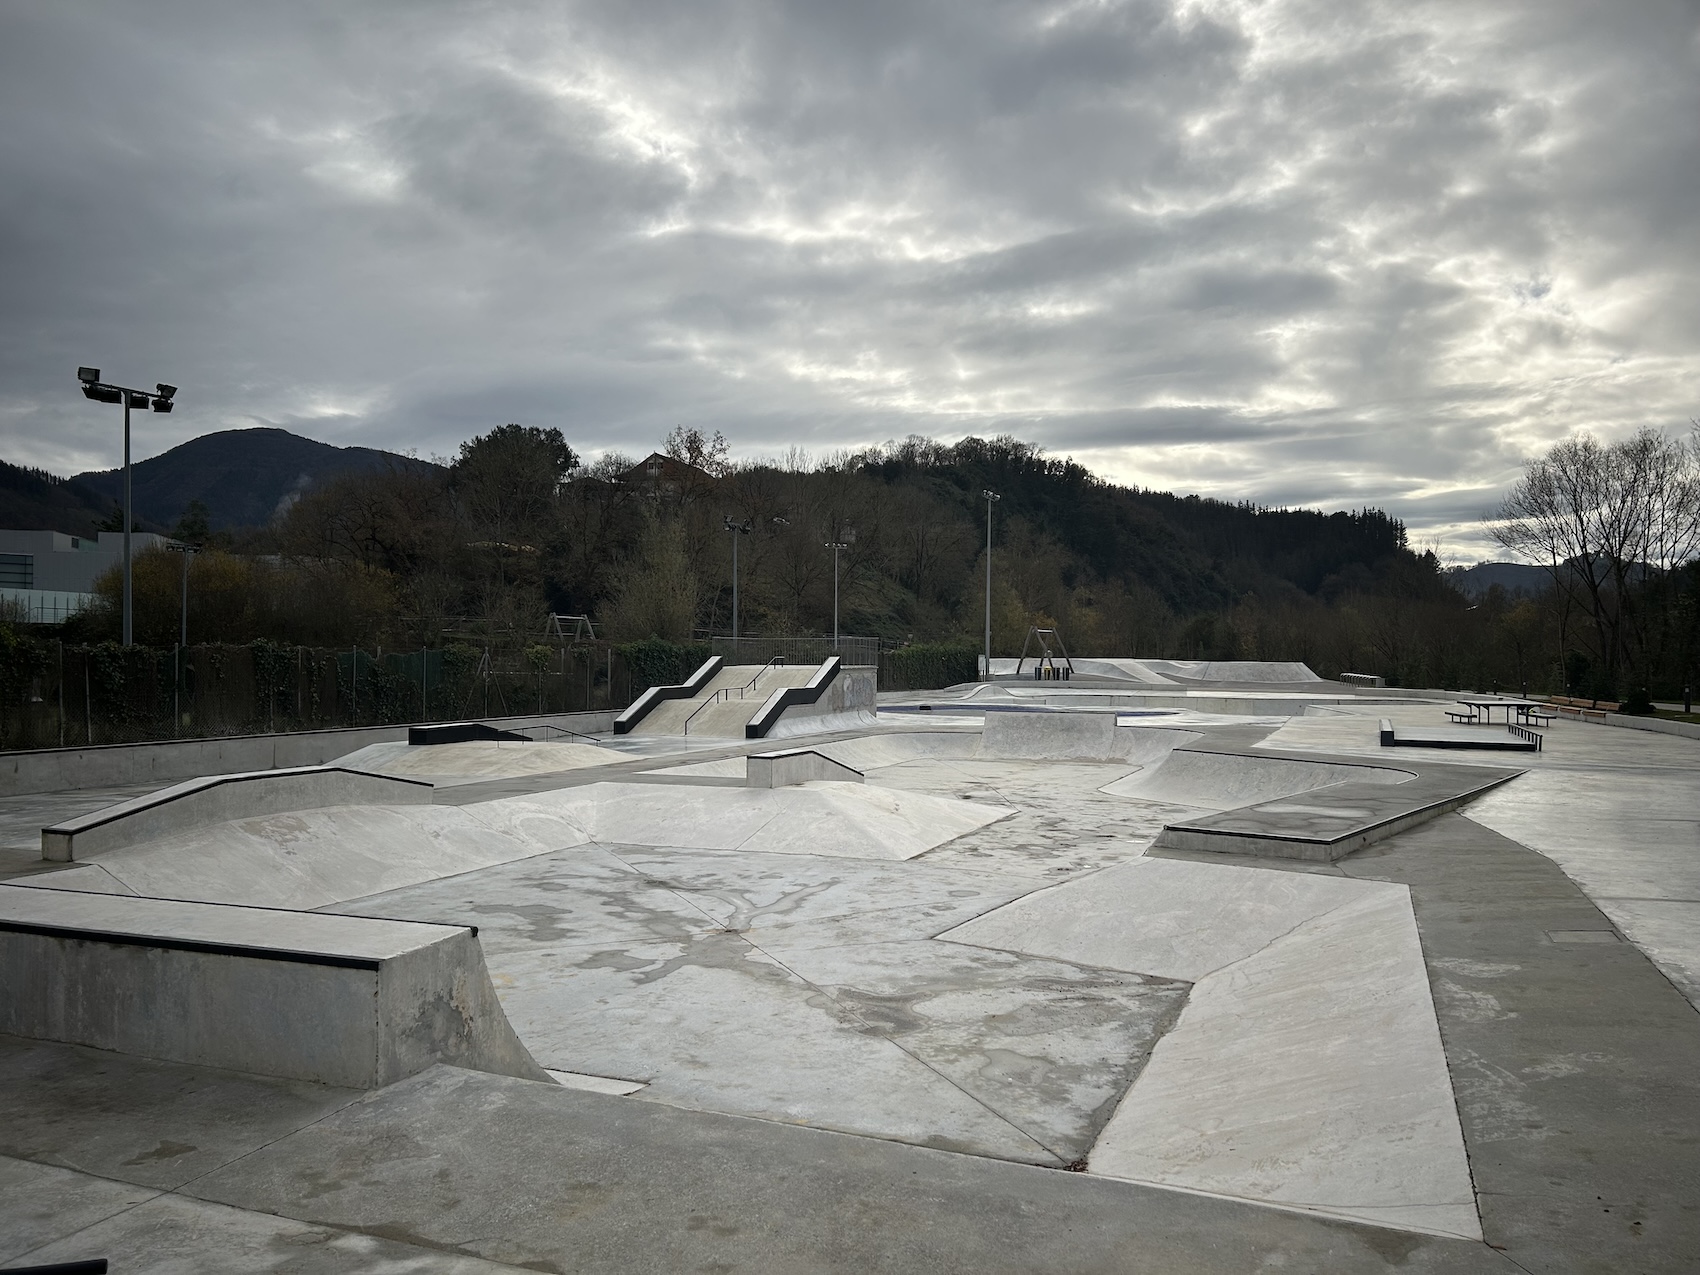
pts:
[184, 638]
[735, 534]
[835, 597]
[129, 518]
[988, 586]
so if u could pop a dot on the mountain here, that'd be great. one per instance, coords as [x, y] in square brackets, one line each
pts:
[245, 477]
[35, 500]
[1513, 577]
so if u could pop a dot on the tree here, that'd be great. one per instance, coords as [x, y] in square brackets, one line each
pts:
[193, 527]
[691, 447]
[1611, 524]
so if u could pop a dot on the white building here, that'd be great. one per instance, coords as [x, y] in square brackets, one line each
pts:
[46, 576]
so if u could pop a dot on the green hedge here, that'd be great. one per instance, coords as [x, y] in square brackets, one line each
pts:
[928, 666]
[657, 662]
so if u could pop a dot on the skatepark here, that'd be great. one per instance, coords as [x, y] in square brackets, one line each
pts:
[1167, 966]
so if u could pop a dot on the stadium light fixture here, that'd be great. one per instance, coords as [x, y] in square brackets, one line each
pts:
[160, 399]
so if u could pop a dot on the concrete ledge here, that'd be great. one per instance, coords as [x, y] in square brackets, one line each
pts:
[1326, 824]
[334, 999]
[217, 798]
[1476, 736]
[788, 699]
[1688, 730]
[688, 689]
[795, 766]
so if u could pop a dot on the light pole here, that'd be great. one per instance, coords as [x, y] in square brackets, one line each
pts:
[183, 634]
[835, 545]
[160, 397]
[991, 497]
[737, 529]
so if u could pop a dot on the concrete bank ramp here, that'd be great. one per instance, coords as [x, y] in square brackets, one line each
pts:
[1270, 671]
[1306, 1070]
[1226, 781]
[311, 858]
[316, 858]
[339, 1000]
[478, 760]
[198, 803]
[1044, 736]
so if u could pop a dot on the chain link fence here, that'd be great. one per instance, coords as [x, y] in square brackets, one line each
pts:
[63, 696]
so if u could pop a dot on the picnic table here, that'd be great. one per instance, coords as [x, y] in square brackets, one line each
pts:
[1481, 710]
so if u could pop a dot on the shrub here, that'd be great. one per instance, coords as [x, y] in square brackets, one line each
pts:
[655, 661]
[928, 666]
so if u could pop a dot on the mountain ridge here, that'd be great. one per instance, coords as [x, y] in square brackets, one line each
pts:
[244, 477]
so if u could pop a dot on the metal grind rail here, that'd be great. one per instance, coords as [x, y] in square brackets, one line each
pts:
[726, 693]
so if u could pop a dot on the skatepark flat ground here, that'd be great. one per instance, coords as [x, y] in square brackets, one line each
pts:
[960, 1017]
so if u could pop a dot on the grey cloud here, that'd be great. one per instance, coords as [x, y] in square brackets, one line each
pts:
[1292, 252]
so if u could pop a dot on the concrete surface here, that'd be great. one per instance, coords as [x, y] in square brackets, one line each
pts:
[449, 1162]
[478, 759]
[835, 693]
[1309, 1074]
[1195, 776]
[340, 1000]
[1306, 1069]
[1572, 1062]
[819, 980]
[215, 799]
[313, 858]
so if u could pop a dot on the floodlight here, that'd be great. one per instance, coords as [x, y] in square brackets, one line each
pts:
[102, 393]
[138, 400]
[165, 391]
[162, 405]
[88, 375]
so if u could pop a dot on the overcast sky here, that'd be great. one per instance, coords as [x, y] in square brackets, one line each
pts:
[1318, 253]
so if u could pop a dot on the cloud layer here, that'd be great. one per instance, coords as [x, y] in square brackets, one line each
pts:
[1280, 250]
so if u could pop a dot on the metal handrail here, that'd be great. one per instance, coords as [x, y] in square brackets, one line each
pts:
[725, 693]
[549, 726]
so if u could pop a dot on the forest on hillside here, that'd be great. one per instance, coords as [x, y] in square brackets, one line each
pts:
[516, 528]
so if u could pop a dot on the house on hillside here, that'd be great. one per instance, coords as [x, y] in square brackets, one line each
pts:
[48, 576]
[662, 475]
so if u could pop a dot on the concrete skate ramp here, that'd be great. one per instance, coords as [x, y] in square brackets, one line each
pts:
[727, 718]
[1227, 781]
[1074, 737]
[196, 803]
[833, 819]
[478, 760]
[871, 752]
[1273, 671]
[317, 858]
[311, 858]
[338, 1000]
[1306, 1069]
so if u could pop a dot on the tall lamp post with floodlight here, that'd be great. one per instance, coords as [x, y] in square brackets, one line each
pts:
[848, 539]
[186, 550]
[991, 497]
[737, 529]
[160, 398]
